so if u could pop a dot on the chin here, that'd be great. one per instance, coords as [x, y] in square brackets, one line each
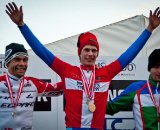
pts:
[90, 64]
[158, 80]
[20, 75]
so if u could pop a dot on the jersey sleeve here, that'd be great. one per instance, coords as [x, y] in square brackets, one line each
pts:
[41, 51]
[53, 90]
[118, 65]
[123, 101]
[134, 49]
[48, 89]
[37, 46]
[112, 69]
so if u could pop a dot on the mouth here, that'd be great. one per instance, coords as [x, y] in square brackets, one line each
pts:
[90, 59]
[21, 70]
[158, 76]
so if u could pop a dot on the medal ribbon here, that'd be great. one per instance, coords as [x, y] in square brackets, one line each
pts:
[88, 84]
[153, 99]
[11, 91]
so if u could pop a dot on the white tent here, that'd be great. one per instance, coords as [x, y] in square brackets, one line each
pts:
[114, 39]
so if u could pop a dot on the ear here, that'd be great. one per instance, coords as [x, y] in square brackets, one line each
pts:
[97, 54]
[79, 58]
[7, 64]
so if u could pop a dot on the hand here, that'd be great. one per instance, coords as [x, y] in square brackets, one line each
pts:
[154, 20]
[15, 14]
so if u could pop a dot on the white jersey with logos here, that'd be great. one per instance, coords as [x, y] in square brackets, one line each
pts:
[21, 116]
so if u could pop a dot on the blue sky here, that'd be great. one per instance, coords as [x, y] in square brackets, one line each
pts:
[52, 20]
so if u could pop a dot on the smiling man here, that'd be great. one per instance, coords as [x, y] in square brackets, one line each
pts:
[16, 110]
[16, 59]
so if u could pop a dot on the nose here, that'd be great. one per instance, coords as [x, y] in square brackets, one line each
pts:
[90, 52]
[22, 62]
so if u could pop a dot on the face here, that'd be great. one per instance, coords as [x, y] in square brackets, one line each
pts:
[155, 73]
[18, 66]
[88, 55]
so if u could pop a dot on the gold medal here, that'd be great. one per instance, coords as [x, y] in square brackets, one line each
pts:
[91, 107]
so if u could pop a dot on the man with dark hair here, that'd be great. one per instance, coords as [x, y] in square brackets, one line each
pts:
[143, 96]
[85, 106]
[16, 110]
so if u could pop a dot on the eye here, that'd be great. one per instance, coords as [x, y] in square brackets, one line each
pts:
[17, 59]
[25, 59]
[94, 50]
[86, 49]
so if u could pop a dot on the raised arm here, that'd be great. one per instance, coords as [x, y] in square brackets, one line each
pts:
[16, 15]
[133, 50]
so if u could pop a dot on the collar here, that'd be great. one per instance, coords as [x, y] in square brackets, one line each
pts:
[88, 68]
[14, 77]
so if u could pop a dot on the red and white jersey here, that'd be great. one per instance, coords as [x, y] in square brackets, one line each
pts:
[76, 109]
[24, 109]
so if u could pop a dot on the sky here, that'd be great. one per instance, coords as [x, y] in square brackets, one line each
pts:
[53, 20]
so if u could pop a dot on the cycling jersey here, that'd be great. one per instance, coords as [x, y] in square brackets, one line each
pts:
[137, 95]
[23, 112]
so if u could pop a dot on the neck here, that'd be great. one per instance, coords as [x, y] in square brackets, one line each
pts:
[13, 76]
[87, 67]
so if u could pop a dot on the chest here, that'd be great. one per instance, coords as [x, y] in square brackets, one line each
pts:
[26, 96]
[148, 98]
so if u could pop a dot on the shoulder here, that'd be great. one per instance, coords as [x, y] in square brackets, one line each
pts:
[35, 80]
[2, 77]
[136, 85]
[139, 83]
[32, 78]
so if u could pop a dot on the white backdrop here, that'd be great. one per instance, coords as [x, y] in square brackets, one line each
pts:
[54, 119]
[113, 39]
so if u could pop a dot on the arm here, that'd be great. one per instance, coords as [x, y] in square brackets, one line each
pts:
[118, 65]
[121, 102]
[46, 88]
[16, 16]
[133, 50]
[40, 50]
[53, 90]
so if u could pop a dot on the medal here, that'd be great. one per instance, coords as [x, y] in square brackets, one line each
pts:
[10, 91]
[91, 107]
[88, 86]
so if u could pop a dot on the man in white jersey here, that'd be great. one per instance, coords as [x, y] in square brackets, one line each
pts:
[16, 110]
